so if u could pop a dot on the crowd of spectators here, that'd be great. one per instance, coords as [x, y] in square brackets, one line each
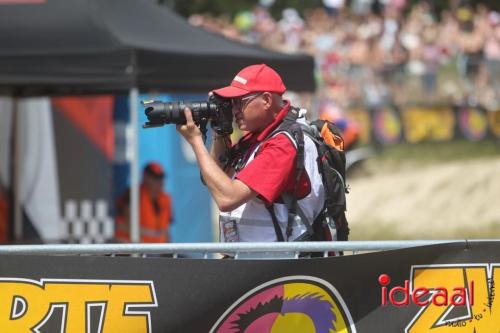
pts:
[384, 51]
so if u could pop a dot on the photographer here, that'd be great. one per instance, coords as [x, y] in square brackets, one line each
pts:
[249, 180]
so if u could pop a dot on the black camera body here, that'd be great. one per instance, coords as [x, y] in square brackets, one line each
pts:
[160, 113]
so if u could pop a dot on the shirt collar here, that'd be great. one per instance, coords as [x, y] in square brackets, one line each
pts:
[279, 118]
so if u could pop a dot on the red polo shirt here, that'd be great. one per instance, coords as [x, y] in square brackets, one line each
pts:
[271, 172]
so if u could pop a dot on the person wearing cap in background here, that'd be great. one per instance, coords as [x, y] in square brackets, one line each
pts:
[155, 209]
[248, 178]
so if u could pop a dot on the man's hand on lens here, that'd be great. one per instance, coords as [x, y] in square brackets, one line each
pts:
[189, 131]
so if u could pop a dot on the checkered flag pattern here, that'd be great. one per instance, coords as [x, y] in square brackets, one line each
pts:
[87, 222]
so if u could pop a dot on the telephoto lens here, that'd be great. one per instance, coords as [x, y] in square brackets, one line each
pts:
[160, 113]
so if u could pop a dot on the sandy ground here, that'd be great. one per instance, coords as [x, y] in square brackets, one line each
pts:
[442, 201]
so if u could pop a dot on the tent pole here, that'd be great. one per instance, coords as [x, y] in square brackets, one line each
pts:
[134, 170]
[16, 167]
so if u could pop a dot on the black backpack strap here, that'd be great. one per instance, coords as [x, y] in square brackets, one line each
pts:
[289, 120]
[342, 228]
[294, 210]
[277, 229]
[291, 200]
[295, 130]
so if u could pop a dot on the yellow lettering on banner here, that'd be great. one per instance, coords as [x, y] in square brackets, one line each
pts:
[75, 295]
[483, 315]
[428, 124]
[26, 304]
[17, 316]
[119, 309]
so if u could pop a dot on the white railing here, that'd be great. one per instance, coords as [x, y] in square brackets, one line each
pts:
[237, 250]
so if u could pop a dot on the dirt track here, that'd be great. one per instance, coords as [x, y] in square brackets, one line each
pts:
[449, 200]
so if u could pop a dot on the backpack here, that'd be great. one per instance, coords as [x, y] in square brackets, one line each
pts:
[331, 223]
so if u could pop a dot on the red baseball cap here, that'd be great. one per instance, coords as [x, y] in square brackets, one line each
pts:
[154, 169]
[254, 78]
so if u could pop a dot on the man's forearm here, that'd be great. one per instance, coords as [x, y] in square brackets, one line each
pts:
[227, 193]
[220, 148]
[219, 184]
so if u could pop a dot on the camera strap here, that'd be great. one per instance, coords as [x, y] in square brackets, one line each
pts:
[203, 129]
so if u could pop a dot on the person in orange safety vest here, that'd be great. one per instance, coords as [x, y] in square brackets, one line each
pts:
[155, 207]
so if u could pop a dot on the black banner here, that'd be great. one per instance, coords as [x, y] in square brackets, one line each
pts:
[442, 288]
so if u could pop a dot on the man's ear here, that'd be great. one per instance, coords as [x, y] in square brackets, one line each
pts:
[268, 99]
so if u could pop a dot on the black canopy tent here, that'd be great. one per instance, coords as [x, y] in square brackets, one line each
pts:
[70, 47]
[92, 46]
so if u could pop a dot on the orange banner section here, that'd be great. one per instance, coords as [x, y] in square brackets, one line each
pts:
[93, 115]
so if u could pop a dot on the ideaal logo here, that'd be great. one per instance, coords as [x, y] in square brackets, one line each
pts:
[26, 305]
[292, 304]
[422, 296]
[452, 298]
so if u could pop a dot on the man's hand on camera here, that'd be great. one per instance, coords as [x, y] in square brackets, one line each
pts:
[189, 131]
[223, 125]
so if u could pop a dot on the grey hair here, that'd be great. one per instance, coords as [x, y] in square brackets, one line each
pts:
[277, 102]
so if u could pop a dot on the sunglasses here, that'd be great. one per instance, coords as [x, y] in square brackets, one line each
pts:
[242, 102]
